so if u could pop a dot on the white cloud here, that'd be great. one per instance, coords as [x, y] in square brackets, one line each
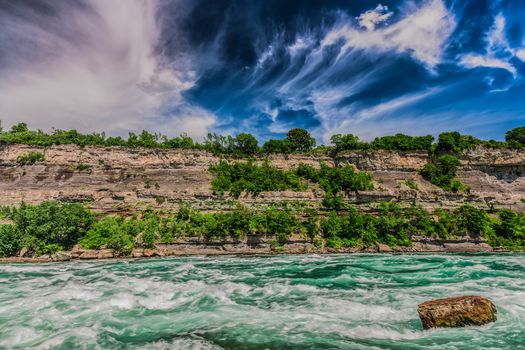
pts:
[363, 119]
[423, 34]
[521, 54]
[498, 52]
[473, 61]
[104, 76]
[371, 18]
[300, 44]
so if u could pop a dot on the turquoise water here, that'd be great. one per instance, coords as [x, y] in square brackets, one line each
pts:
[275, 302]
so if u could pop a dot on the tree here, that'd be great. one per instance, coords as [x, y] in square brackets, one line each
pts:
[454, 142]
[246, 144]
[275, 146]
[345, 142]
[441, 172]
[20, 127]
[300, 140]
[516, 135]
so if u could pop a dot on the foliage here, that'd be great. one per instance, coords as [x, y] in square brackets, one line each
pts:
[403, 142]
[249, 177]
[245, 145]
[334, 180]
[52, 226]
[299, 140]
[30, 158]
[509, 230]
[516, 135]
[454, 142]
[276, 146]
[50, 223]
[348, 142]
[442, 171]
[411, 184]
[398, 142]
[10, 240]
[83, 167]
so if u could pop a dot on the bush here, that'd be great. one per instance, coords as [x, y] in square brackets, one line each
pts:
[51, 223]
[252, 178]
[403, 142]
[441, 172]
[30, 158]
[102, 231]
[334, 180]
[83, 167]
[391, 224]
[454, 142]
[10, 240]
[516, 135]
[346, 142]
[276, 146]
[296, 140]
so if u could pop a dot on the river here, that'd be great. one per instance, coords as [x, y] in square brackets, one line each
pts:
[360, 301]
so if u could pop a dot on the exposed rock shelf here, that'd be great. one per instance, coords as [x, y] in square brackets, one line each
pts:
[118, 179]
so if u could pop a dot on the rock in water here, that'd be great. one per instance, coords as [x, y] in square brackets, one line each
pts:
[456, 312]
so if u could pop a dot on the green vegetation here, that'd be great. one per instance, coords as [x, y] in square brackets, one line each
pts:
[411, 184]
[83, 167]
[448, 142]
[334, 180]
[246, 145]
[442, 171]
[47, 227]
[52, 226]
[516, 136]
[399, 142]
[30, 158]
[299, 140]
[249, 177]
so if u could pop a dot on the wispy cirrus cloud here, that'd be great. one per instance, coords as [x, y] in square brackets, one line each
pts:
[364, 67]
[422, 33]
[498, 52]
[93, 65]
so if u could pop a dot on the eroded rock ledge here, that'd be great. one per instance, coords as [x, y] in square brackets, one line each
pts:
[123, 180]
[231, 248]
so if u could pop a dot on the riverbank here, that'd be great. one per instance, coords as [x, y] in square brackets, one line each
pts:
[191, 249]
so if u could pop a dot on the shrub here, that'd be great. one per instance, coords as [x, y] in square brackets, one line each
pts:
[441, 172]
[411, 184]
[454, 142]
[516, 135]
[51, 223]
[83, 167]
[403, 142]
[30, 158]
[10, 240]
[334, 180]
[275, 146]
[346, 142]
[249, 177]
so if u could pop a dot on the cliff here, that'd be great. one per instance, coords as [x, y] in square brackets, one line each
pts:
[117, 179]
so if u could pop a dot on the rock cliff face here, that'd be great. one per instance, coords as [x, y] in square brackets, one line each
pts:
[116, 179]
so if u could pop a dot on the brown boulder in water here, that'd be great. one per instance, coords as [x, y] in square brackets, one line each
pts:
[456, 312]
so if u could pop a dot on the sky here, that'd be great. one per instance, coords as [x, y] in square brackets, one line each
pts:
[264, 66]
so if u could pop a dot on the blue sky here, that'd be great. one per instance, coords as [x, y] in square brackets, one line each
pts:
[364, 67]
